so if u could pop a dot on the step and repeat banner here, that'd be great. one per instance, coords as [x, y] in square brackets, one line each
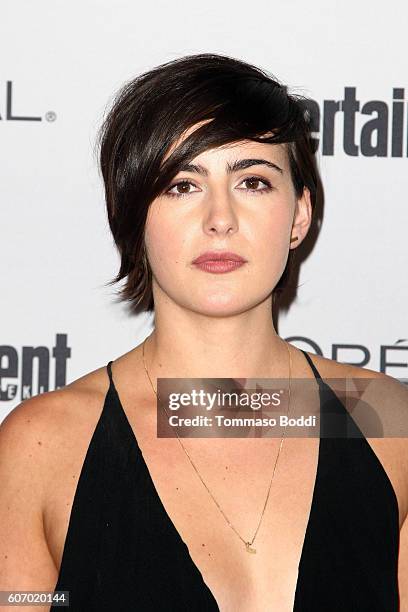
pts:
[61, 65]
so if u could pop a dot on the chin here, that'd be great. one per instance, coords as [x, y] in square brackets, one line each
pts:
[220, 306]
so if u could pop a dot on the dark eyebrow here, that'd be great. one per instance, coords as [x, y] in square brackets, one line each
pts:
[239, 164]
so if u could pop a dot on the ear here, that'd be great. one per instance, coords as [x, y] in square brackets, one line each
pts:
[301, 219]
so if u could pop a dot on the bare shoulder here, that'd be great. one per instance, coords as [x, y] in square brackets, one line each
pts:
[379, 405]
[330, 368]
[367, 389]
[40, 440]
[45, 429]
[55, 412]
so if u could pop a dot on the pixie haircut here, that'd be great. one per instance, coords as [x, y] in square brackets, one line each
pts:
[152, 111]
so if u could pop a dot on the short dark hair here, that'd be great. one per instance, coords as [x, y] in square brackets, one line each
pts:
[150, 113]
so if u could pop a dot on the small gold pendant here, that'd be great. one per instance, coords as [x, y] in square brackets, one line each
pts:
[249, 548]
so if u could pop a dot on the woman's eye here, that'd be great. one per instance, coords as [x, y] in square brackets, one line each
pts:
[254, 183]
[180, 189]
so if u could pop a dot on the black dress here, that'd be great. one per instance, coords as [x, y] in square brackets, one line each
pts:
[122, 552]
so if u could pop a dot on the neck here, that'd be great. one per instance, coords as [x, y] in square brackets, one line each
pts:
[222, 349]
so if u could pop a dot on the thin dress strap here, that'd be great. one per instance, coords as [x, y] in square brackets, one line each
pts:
[312, 365]
[109, 369]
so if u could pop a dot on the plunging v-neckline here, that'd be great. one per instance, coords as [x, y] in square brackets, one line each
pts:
[322, 385]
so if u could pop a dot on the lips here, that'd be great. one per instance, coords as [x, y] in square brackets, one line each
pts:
[218, 256]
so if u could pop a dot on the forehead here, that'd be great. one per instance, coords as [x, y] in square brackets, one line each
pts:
[245, 149]
[235, 150]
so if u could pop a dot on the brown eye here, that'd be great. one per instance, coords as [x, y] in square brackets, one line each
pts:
[180, 189]
[183, 187]
[256, 185]
[252, 183]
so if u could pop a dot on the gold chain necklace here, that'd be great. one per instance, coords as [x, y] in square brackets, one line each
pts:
[248, 544]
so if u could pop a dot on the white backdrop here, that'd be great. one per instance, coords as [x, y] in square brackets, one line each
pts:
[62, 62]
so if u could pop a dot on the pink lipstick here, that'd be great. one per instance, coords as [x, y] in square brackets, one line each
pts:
[219, 262]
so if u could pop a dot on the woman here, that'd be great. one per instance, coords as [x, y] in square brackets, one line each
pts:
[202, 157]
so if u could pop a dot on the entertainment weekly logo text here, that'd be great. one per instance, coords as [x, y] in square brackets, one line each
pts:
[374, 128]
[368, 128]
[27, 370]
[17, 368]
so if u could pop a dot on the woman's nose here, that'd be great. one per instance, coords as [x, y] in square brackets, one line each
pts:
[220, 213]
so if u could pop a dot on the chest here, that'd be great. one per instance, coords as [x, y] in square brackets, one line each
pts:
[238, 480]
[239, 498]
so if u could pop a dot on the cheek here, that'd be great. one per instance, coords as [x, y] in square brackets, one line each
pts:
[271, 260]
[270, 241]
[164, 242]
[271, 233]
